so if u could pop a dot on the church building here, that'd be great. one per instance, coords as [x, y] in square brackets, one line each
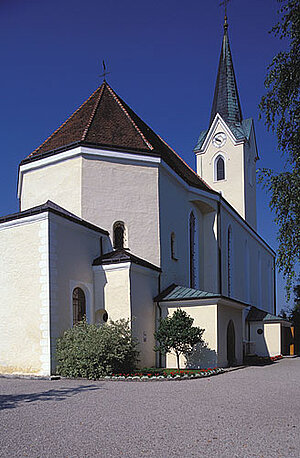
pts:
[114, 224]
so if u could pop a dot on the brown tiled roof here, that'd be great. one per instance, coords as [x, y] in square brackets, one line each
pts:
[105, 120]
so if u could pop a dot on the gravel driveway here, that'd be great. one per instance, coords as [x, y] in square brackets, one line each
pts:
[250, 412]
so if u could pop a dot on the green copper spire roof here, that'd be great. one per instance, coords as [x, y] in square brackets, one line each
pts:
[226, 98]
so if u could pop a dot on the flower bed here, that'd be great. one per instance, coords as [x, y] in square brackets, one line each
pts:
[165, 374]
[276, 358]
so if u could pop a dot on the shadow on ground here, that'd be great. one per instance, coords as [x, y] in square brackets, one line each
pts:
[11, 401]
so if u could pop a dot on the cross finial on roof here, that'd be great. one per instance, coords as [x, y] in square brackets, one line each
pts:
[225, 2]
[104, 71]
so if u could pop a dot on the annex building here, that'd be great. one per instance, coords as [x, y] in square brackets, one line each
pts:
[114, 224]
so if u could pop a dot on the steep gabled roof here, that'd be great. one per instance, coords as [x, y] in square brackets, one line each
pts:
[105, 120]
[226, 100]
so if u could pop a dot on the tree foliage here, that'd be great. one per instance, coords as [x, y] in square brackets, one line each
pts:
[295, 312]
[177, 333]
[92, 351]
[280, 108]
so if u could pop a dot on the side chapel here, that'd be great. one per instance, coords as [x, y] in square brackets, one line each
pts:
[114, 224]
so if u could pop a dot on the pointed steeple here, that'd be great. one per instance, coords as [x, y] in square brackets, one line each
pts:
[226, 97]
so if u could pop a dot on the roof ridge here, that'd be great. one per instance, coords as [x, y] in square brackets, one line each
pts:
[93, 112]
[129, 117]
[183, 161]
[64, 123]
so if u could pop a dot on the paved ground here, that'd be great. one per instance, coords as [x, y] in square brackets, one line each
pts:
[251, 412]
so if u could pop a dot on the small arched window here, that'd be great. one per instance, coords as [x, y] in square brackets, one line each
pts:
[79, 305]
[119, 235]
[220, 168]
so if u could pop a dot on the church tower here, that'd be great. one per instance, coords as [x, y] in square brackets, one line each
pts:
[226, 152]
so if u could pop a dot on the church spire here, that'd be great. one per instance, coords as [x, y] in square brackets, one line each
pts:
[226, 98]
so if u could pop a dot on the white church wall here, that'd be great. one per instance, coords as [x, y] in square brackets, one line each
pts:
[210, 254]
[143, 287]
[205, 316]
[121, 190]
[232, 187]
[248, 252]
[250, 156]
[24, 306]
[225, 314]
[58, 181]
[128, 294]
[72, 250]
[267, 342]
[176, 205]
[117, 299]
[272, 333]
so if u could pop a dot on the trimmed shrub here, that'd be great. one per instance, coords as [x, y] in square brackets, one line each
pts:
[92, 351]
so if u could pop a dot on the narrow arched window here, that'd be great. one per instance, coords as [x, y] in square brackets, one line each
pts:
[247, 272]
[79, 305]
[229, 261]
[259, 299]
[220, 168]
[192, 234]
[119, 235]
[173, 246]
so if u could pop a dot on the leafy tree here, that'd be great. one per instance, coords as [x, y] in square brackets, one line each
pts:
[280, 107]
[177, 333]
[92, 351]
[295, 318]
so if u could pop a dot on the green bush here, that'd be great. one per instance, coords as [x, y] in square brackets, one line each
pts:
[92, 351]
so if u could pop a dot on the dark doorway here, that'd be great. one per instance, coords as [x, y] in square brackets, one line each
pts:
[231, 344]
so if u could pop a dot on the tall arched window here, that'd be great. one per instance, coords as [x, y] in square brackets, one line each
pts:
[119, 235]
[79, 305]
[247, 272]
[219, 168]
[192, 235]
[173, 247]
[229, 261]
[259, 298]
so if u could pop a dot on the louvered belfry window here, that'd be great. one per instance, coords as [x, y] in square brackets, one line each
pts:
[79, 305]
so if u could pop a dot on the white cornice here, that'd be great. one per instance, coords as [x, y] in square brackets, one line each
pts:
[87, 152]
[117, 266]
[23, 221]
[140, 159]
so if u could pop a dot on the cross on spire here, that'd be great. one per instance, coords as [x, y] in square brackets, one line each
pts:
[225, 3]
[104, 71]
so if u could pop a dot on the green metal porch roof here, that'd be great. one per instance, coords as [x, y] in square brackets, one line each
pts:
[175, 292]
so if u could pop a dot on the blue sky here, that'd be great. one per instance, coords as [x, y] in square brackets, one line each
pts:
[163, 58]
